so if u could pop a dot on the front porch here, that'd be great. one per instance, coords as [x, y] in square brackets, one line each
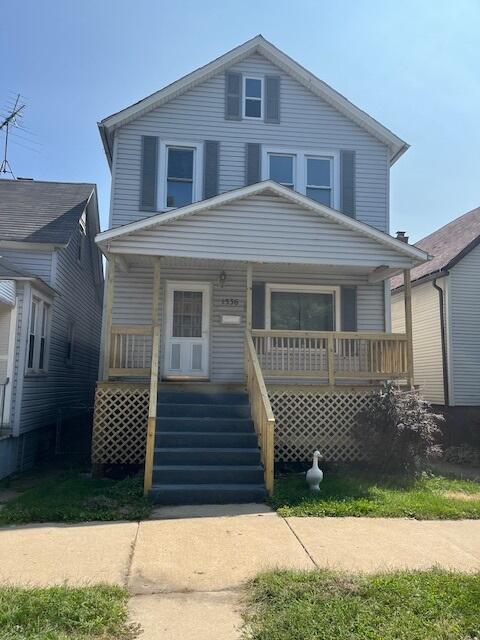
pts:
[304, 387]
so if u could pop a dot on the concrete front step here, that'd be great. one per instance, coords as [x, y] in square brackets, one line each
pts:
[207, 493]
[208, 474]
[215, 439]
[204, 425]
[205, 455]
[208, 410]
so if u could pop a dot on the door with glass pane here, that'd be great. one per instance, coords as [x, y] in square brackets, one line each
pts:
[187, 330]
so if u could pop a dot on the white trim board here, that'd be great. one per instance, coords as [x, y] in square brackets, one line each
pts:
[260, 45]
[266, 187]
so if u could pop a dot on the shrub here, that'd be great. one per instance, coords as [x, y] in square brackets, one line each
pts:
[397, 431]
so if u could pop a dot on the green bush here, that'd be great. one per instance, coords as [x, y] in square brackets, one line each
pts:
[397, 432]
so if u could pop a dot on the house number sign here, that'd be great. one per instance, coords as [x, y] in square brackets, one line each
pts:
[230, 302]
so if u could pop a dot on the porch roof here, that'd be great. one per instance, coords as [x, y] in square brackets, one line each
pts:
[263, 223]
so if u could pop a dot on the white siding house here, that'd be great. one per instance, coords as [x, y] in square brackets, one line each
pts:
[50, 326]
[447, 369]
[248, 241]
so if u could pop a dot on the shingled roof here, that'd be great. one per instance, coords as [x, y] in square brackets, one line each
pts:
[447, 245]
[43, 212]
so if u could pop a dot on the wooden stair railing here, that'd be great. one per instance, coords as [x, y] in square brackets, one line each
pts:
[262, 414]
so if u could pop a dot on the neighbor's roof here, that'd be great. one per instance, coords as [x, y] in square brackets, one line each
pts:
[41, 212]
[448, 245]
[260, 45]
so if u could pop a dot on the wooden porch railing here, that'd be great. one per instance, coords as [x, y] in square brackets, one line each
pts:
[262, 413]
[333, 355]
[130, 350]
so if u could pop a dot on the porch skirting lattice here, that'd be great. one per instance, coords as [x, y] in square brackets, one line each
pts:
[120, 423]
[306, 420]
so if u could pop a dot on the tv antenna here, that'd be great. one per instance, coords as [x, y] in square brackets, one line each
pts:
[11, 120]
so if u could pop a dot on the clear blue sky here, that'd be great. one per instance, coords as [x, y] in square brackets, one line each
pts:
[414, 65]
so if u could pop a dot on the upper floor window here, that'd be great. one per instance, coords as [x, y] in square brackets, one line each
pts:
[70, 344]
[253, 97]
[314, 175]
[82, 236]
[38, 334]
[181, 169]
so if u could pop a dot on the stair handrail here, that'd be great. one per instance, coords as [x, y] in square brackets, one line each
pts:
[262, 414]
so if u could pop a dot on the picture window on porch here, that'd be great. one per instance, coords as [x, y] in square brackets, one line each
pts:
[293, 308]
[38, 333]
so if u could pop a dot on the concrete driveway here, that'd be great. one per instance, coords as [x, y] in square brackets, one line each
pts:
[185, 569]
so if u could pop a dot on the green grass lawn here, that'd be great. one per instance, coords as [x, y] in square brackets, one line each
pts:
[70, 496]
[431, 605]
[363, 494]
[64, 613]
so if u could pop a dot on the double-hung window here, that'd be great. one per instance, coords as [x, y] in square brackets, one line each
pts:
[38, 334]
[181, 170]
[253, 97]
[316, 175]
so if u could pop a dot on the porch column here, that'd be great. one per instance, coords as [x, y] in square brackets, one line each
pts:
[248, 319]
[108, 316]
[408, 324]
[152, 405]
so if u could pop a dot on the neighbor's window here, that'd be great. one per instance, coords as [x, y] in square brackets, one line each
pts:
[309, 310]
[82, 235]
[319, 179]
[180, 176]
[38, 334]
[253, 98]
[70, 344]
[281, 169]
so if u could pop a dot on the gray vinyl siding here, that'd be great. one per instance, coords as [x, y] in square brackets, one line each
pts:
[36, 263]
[133, 302]
[65, 387]
[261, 227]
[307, 123]
[464, 329]
[7, 291]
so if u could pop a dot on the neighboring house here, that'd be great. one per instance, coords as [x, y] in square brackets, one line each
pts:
[51, 290]
[446, 314]
[248, 240]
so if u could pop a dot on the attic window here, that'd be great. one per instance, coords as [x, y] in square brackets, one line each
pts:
[253, 101]
[82, 234]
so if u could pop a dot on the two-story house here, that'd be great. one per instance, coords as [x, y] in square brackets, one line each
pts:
[247, 303]
[51, 290]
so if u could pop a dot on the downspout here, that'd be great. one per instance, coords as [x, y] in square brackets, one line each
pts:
[441, 296]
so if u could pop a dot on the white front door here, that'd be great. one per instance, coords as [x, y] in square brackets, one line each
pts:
[187, 330]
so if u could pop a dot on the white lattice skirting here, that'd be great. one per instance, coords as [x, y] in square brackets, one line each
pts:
[309, 420]
[120, 424]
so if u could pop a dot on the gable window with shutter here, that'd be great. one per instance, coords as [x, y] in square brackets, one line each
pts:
[181, 171]
[253, 98]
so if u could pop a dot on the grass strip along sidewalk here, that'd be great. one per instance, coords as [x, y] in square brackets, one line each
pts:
[64, 613]
[429, 605]
[366, 494]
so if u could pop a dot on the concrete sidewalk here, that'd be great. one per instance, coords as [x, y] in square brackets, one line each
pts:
[185, 569]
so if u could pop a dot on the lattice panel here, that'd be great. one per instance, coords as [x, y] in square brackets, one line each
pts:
[120, 424]
[305, 421]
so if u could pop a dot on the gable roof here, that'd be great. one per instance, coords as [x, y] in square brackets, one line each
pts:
[260, 45]
[270, 188]
[41, 212]
[448, 245]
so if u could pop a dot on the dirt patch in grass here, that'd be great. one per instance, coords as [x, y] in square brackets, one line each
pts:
[459, 495]
[428, 605]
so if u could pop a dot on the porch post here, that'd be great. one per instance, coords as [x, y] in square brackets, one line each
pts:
[248, 319]
[108, 316]
[408, 324]
[152, 405]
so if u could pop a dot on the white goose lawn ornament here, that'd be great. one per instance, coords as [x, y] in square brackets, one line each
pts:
[314, 475]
